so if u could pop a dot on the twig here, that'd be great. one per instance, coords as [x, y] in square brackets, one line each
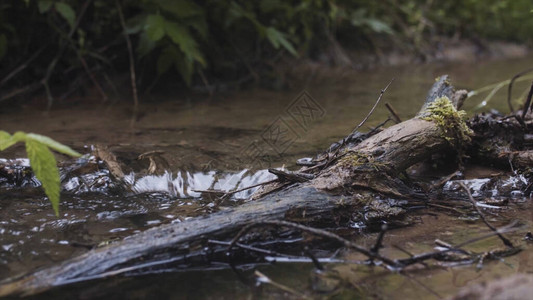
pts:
[206, 83]
[22, 90]
[264, 279]
[54, 61]
[315, 261]
[374, 107]
[378, 245]
[505, 241]
[443, 181]
[319, 232]
[252, 248]
[528, 102]
[235, 191]
[395, 116]
[510, 87]
[130, 54]
[446, 207]
[424, 256]
[22, 66]
[91, 76]
[427, 288]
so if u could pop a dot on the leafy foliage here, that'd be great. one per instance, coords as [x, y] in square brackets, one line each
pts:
[42, 161]
[224, 37]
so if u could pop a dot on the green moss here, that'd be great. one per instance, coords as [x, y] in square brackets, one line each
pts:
[356, 159]
[450, 121]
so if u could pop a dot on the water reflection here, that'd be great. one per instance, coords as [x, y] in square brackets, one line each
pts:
[188, 185]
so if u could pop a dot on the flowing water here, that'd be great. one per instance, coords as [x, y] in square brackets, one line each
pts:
[224, 142]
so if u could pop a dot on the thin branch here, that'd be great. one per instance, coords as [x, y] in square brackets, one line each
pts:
[28, 88]
[130, 54]
[510, 87]
[427, 288]
[425, 256]
[235, 191]
[315, 261]
[378, 245]
[22, 66]
[374, 107]
[528, 102]
[395, 116]
[254, 249]
[264, 279]
[319, 232]
[445, 207]
[54, 61]
[505, 241]
[91, 77]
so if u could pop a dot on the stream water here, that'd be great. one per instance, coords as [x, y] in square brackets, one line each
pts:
[227, 141]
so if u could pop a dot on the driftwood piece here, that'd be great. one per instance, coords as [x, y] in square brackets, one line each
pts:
[370, 165]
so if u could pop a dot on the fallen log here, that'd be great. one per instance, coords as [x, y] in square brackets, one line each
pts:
[346, 182]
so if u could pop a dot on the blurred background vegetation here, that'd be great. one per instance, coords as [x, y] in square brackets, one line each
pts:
[60, 47]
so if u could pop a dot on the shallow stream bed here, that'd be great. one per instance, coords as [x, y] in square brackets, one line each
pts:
[226, 141]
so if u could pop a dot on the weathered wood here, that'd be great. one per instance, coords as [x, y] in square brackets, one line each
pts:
[371, 164]
[297, 203]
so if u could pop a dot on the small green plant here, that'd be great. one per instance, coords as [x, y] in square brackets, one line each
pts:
[42, 161]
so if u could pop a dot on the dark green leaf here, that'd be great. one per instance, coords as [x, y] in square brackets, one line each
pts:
[66, 12]
[277, 38]
[52, 144]
[44, 5]
[43, 164]
[155, 27]
[181, 36]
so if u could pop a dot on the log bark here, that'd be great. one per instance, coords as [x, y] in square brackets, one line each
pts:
[370, 165]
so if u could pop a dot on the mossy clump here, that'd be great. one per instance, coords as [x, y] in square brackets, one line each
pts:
[450, 121]
[355, 159]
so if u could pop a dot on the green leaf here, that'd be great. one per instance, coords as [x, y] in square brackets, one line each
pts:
[277, 38]
[43, 164]
[66, 12]
[52, 144]
[7, 140]
[4, 135]
[378, 26]
[155, 27]
[181, 36]
[44, 5]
